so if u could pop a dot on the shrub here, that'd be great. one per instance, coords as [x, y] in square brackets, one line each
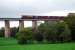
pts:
[14, 30]
[2, 32]
[38, 37]
[23, 36]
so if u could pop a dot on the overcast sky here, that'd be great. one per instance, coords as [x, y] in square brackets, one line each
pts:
[16, 8]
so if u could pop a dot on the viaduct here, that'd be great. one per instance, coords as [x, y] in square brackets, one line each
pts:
[34, 20]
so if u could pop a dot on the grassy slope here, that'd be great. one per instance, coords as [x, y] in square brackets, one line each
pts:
[11, 44]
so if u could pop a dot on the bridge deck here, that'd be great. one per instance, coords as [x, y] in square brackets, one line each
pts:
[30, 18]
[17, 19]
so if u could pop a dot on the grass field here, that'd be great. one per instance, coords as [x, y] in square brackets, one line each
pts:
[11, 44]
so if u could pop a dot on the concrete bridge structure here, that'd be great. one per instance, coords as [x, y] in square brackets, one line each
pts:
[34, 20]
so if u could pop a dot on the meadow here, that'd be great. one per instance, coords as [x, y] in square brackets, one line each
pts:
[11, 44]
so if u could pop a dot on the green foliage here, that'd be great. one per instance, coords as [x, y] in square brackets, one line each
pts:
[58, 31]
[48, 30]
[14, 30]
[2, 32]
[38, 37]
[70, 20]
[63, 31]
[23, 36]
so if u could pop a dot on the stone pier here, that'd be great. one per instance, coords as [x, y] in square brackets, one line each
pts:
[21, 25]
[7, 29]
[34, 25]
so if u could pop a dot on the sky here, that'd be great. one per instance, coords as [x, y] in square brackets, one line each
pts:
[16, 8]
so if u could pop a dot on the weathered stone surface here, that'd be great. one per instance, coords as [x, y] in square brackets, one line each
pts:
[7, 29]
[21, 25]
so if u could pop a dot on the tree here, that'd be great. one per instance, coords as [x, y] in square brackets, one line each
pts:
[48, 30]
[14, 30]
[38, 37]
[70, 20]
[58, 31]
[2, 32]
[63, 32]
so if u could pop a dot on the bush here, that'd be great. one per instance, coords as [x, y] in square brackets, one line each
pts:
[14, 30]
[2, 32]
[38, 37]
[23, 36]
